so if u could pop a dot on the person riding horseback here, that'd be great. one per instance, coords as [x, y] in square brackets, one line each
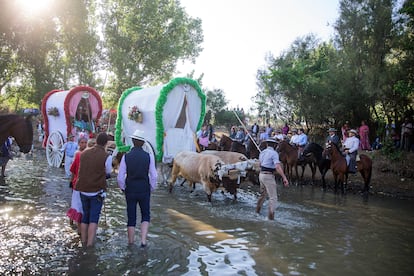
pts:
[332, 136]
[240, 135]
[351, 146]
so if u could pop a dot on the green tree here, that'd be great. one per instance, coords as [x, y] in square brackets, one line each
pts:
[81, 44]
[296, 85]
[216, 100]
[145, 39]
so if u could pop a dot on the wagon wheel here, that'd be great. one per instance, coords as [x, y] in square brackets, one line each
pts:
[54, 145]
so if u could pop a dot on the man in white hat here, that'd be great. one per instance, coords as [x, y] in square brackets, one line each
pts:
[351, 146]
[269, 163]
[137, 178]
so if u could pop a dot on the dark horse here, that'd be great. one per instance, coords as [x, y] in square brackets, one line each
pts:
[340, 168]
[312, 155]
[288, 156]
[18, 127]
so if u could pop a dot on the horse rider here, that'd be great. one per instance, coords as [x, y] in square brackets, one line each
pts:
[240, 135]
[351, 146]
[279, 136]
[333, 137]
[233, 132]
[294, 138]
[269, 163]
[263, 135]
[255, 130]
[301, 142]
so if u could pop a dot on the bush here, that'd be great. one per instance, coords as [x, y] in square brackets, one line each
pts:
[390, 151]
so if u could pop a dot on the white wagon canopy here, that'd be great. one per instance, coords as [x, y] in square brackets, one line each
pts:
[169, 115]
[75, 111]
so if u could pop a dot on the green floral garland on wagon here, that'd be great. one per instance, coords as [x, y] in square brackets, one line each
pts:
[159, 109]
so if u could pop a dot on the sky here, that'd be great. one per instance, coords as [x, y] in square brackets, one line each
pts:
[238, 34]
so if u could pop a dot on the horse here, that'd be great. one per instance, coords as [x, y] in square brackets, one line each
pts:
[314, 152]
[288, 155]
[339, 168]
[225, 143]
[20, 128]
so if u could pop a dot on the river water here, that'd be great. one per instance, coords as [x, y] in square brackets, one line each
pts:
[314, 233]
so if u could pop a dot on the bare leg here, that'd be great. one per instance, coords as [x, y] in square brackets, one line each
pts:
[92, 233]
[79, 228]
[84, 233]
[144, 232]
[131, 234]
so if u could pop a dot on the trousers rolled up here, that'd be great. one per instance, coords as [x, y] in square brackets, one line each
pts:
[267, 188]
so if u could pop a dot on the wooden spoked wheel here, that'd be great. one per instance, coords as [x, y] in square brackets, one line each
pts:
[54, 146]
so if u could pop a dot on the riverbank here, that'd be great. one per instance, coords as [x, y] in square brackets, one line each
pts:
[389, 178]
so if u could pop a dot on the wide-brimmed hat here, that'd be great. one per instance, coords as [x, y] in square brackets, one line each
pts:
[331, 129]
[138, 134]
[270, 140]
[353, 131]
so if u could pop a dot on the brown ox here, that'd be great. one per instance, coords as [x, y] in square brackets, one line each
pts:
[197, 168]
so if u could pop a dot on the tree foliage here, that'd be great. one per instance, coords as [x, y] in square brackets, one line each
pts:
[64, 46]
[216, 100]
[145, 39]
[364, 73]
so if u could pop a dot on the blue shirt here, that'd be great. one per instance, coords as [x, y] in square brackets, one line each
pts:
[302, 140]
[240, 136]
[269, 158]
[70, 148]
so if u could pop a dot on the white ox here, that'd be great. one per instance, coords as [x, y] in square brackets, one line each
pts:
[197, 168]
[236, 166]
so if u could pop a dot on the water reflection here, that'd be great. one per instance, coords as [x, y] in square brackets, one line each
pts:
[314, 233]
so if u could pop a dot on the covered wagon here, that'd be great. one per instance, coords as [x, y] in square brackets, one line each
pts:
[75, 111]
[169, 115]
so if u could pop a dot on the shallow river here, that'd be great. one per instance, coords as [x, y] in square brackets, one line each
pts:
[314, 233]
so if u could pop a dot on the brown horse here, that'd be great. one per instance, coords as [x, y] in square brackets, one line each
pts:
[19, 128]
[225, 143]
[340, 169]
[288, 155]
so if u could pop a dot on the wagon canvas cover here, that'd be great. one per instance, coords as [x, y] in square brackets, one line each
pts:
[170, 115]
[66, 104]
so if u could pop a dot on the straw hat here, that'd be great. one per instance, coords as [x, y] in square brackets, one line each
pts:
[332, 129]
[353, 131]
[270, 140]
[138, 134]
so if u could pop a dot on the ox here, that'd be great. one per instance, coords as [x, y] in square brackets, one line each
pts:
[236, 166]
[197, 168]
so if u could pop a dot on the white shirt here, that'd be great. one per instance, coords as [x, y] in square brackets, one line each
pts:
[351, 143]
[294, 139]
